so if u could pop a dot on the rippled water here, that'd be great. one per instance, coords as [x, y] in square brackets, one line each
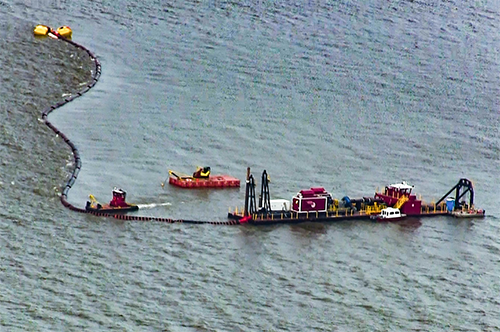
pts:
[344, 95]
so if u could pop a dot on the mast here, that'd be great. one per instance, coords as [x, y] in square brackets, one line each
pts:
[247, 189]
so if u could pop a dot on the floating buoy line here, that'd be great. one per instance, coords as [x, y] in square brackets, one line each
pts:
[64, 34]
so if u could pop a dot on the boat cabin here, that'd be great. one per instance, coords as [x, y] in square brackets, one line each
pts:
[399, 189]
[119, 196]
[389, 213]
[202, 173]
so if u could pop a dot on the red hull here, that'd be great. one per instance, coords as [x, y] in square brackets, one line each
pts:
[214, 181]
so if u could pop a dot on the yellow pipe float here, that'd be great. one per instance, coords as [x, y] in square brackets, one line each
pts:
[43, 31]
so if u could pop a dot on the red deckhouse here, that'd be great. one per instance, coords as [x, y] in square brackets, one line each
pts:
[399, 195]
[312, 200]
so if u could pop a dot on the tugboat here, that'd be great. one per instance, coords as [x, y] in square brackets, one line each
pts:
[116, 205]
[201, 178]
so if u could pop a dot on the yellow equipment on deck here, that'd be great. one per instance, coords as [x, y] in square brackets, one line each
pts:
[401, 201]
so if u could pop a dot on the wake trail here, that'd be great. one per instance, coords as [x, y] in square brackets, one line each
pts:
[153, 205]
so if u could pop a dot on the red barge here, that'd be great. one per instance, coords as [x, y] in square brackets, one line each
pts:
[202, 178]
[318, 205]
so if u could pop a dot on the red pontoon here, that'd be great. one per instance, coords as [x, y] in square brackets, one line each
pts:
[202, 178]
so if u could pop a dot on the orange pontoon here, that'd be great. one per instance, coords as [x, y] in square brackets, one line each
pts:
[202, 179]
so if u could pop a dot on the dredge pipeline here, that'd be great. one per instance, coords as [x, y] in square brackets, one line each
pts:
[78, 162]
[77, 159]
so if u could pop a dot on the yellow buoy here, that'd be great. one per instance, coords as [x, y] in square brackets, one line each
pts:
[41, 30]
[65, 31]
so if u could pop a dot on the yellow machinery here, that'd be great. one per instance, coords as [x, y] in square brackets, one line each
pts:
[401, 201]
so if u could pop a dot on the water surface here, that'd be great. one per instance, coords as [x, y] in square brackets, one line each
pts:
[336, 94]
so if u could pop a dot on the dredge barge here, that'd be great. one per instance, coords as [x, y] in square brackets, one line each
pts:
[318, 205]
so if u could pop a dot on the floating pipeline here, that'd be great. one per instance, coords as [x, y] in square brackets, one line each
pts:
[96, 73]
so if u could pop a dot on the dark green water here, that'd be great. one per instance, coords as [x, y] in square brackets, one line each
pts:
[337, 94]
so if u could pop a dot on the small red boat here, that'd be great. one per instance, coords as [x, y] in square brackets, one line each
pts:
[202, 178]
[116, 205]
[388, 215]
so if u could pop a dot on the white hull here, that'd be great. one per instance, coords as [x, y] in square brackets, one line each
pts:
[468, 214]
